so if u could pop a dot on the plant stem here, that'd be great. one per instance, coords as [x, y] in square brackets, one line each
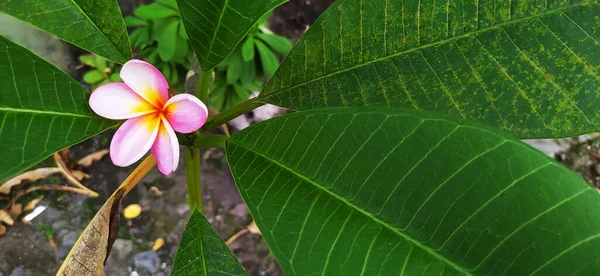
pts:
[227, 115]
[210, 141]
[203, 85]
[192, 158]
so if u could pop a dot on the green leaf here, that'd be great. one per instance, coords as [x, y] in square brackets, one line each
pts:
[241, 92]
[93, 76]
[202, 251]
[154, 11]
[169, 3]
[278, 43]
[101, 63]
[183, 33]
[88, 60]
[370, 191]
[131, 21]
[42, 110]
[114, 77]
[248, 72]
[248, 49]
[235, 63]
[269, 61]
[140, 37]
[94, 25]
[526, 68]
[217, 27]
[217, 96]
[168, 41]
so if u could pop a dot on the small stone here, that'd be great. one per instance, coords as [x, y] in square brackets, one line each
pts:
[60, 225]
[18, 271]
[122, 248]
[69, 239]
[240, 210]
[148, 260]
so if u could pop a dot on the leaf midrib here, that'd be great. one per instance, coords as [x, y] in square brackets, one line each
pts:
[46, 112]
[212, 41]
[385, 57]
[123, 55]
[357, 208]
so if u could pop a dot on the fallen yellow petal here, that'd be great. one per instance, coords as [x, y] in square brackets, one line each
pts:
[158, 243]
[132, 211]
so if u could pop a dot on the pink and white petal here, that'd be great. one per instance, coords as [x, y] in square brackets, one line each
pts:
[185, 113]
[166, 148]
[117, 101]
[133, 139]
[146, 81]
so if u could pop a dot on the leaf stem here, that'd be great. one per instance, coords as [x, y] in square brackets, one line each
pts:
[210, 141]
[192, 158]
[227, 115]
[203, 86]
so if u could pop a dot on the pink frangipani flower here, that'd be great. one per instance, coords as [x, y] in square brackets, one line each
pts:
[152, 117]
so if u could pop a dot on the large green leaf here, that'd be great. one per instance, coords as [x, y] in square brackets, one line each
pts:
[202, 251]
[215, 27]
[529, 67]
[94, 25]
[376, 191]
[42, 110]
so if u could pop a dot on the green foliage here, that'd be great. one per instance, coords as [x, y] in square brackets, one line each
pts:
[159, 35]
[94, 25]
[202, 251]
[47, 229]
[102, 71]
[42, 110]
[366, 191]
[217, 27]
[528, 69]
[244, 71]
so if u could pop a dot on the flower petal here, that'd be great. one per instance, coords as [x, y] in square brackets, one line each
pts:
[133, 139]
[185, 113]
[146, 81]
[117, 101]
[166, 148]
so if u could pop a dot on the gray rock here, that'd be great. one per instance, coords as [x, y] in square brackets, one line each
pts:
[18, 271]
[70, 239]
[147, 260]
[240, 210]
[122, 248]
[60, 225]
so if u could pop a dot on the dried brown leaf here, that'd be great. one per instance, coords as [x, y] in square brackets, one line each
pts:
[89, 159]
[16, 210]
[88, 255]
[6, 218]
[155, 191]
[253, 228]
[69, 175]
[64, 154]
[31, 176]
[52, 243]
[2, 230]
[31, 204]
[79, 175]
